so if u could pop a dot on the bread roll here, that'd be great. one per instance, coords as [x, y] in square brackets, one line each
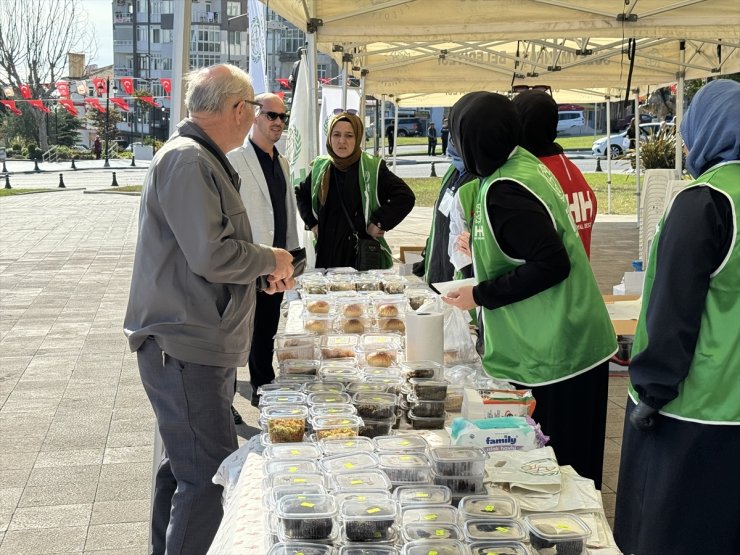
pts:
[392, 324]
[387, 311]
[316, 326]
[353, 310]
[318, 307]
[379, 359]
[353, 325]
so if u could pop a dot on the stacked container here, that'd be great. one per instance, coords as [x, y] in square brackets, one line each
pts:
[377, 410]
[462, 469]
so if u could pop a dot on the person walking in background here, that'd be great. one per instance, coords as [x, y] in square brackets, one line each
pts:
[538, 113]
[432, 138]
[349, 183]
[390, 134]
[271, 209]
[530, 262]
[97, 148]
[190, 308]
[444, 134]
[681, 444]
[631, 133]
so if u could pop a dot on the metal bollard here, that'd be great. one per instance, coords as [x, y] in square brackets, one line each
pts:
[5, 170]
[115, 183]
[7, 182]
[74, 167]
[36, 166]
[133, 161]
[598, 164]
[434, 170]
[61, 182]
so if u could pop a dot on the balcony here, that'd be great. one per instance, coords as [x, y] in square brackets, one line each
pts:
[121, 17]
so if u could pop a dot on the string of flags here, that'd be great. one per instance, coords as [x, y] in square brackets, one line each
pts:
[99, 84]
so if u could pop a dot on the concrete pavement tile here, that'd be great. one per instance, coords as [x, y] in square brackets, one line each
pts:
[77, 404]
[112, 512]
[609, 482]
[130, 439]
[9, 498]
[130, 535]
[17, 461]
[24, 444]
[136, 453]
[16, 478]
[69, 539]
[124, 490]
[5, 516]
[72, 457]
[11, 365]
[610, 502]
[135, 551]
[133, 413]
[51, 516]
[58, 494]
[72, 440]
[122, 472]
[50, 476]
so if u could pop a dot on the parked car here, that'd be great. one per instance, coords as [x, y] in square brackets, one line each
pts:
[569, 120]
[410, 127]
[621, 143]
[624, 121]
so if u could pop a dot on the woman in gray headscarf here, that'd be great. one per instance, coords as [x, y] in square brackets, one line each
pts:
[681, 444]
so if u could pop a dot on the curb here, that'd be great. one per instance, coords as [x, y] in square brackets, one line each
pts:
[126, 193]
[57, 190]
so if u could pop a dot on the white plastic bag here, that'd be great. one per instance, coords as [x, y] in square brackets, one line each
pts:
[459, 344]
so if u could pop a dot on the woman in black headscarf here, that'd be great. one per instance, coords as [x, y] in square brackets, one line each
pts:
[375, 199]
[546, 326]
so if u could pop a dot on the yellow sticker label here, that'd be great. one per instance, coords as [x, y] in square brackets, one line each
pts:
[307, 504]
[295, 452]
[405, 457]
[282, 399]
[330, 399]
[489, 509]
[373, 510]
[345, 422]
[361, 498]
[563, 527]
[432, 552]
[349, 465]
[503, 529]
[349, 443]
[377, 398]
[356, 482]
[404, 443]
[421, 494]
[431, 516]
[292, 469]
[299, 480]
[439, 532]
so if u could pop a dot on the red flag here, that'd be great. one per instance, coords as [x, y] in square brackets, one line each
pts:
[121, 103]
[166, 85]
[284, 84]
[69, 105]
[100, 85]
[8, 91]
[127, 84]
[39, 105]
[95, 103]
[150, 100]
[25, 91]
[63, 88]
[10, 105]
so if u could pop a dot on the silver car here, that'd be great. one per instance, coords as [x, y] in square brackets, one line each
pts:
[621, 143]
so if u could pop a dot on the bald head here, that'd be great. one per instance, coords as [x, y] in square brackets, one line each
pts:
[209, 88]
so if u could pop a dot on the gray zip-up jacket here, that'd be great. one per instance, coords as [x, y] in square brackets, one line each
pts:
[193, 283]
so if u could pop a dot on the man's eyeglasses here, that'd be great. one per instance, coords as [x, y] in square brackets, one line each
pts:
[272, 116]
[252, 102]
[338, 111]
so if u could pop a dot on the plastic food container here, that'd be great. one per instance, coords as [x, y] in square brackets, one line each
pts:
[348, 462]
[337, 409]
[429, 390]
[352, 307]
[498, 547]
[294, 451]
[496, 507]
[314, 284]
[382, 355]
[461, 486]
[353, 325]
[348, 445]
[372, 340]
[318, 304]
[366, 282]
[405, 468]
[401, 444]
[291, 340]
[389, 306]
[273, 388]
[306, 517]
[277, 493]
[328, 398]
[437, 547]
[372, 428]
[377, 406]
[365, 549]
[324, 386]
[426, 409]
[454, 399]
[431, 531]
[369, 521]
[364, 387]
[422, 369]
[490, 530]
[393, 384]
[294, 379]
[392, 325]
[343, 374]
[277, 398]
[327, 427]
[341, 282]
[306, 352]
[318, 323]
[458, 461]
[422, 494]
[370, 496]
[339, 345]
[285, 422]
[417, 296]
[300, 548]
[425, 422]
[278, 466]
[566, 532]
[394, 285]
[304, 479]
[364, 480]
[299, 367]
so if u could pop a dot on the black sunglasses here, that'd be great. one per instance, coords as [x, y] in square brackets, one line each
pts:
[351, 111]
[272, 116]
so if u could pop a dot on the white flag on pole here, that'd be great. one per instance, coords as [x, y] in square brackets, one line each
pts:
[257, 44]
[331, 101]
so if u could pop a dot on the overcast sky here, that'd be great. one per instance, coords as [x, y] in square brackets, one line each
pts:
[100, 15]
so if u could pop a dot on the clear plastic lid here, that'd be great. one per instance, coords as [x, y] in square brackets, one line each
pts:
[393, 384]
[289, 340]
[426, 408]
[324, 386]
[314, 284]
[306, 506]
[277, 398]
[377, 406]
[305, 352]
[547, 529]
[477, 530]
[303, 367]
[326, 398]
[382, 355]
[429, 390]
[285, 422]
[348, 462]
[364, 387]
[297, 379]
[367, 283]
[300, 548]
[392, 373]
[401, 443]
[354, 325]
[318, 323]
[360, 481]
[338, 409]
[438, 547]
[327, 427]
[488, 506]
[369, 509]
[346, 445]
[300, 466]
[389, 306]
[277, 493]
[498, 548]
[339, 345]
[341, 283]
[425, 422]
[321, 303]
[371, 340]
[352, 307]
[429, 513]
[394, 285]
[369, 496]
[344, 374]
[422, 494]
[405, 467]
[392, 325]
[274, 388]
[306, 478]
[423, 369]
[458, 461]
[292, 451]
[431, 531]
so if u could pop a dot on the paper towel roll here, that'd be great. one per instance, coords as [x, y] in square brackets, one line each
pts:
[425, 336]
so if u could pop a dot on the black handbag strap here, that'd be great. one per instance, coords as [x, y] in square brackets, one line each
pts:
[346, 215]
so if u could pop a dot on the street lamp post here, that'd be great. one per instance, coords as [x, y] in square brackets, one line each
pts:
[106, 164]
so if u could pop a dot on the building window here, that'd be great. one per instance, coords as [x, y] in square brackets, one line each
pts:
[292, 39]
[322, 70]
[156, 35]
[233, 8]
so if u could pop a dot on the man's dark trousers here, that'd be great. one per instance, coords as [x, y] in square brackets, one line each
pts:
[192, 405]
[266, 320]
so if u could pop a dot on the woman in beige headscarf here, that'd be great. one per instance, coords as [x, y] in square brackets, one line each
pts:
[375, 199]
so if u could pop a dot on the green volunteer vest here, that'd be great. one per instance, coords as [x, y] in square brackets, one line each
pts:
[467, 195]
[710, 393]
[430, 237]
[560, 332]
[369, 168]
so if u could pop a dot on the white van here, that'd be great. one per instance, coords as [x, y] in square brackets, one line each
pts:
[568, 120]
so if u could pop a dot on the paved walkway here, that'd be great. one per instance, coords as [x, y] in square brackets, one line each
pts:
[75, 426]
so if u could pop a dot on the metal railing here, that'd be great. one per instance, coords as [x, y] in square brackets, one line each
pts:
[51, 155]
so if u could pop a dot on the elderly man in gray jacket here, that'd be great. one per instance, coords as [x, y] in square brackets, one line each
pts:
[271, 208]
[191, 304]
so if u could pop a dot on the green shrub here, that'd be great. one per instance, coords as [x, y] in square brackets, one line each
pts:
[658, 152]
[34, 152]
[124, 154]
[18, 147]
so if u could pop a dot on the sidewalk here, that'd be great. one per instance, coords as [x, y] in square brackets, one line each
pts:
[76, 429]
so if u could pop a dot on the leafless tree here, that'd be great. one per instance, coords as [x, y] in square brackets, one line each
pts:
[35, 37]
